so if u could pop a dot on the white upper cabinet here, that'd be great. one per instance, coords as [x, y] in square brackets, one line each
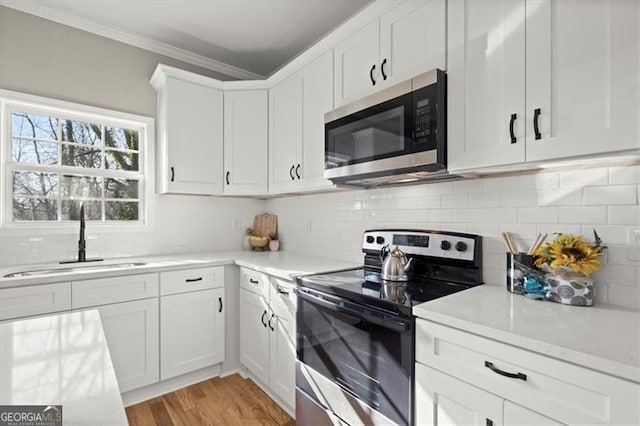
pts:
[533, 80]
[405, 41]
[296, 132]
[245, 142]
[190, 132]
[486, 72]
[285, 134]
[583, 75]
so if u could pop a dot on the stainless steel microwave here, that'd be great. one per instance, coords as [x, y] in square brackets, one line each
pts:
[397, 135]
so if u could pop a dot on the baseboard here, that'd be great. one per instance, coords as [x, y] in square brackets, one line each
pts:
[165, 386]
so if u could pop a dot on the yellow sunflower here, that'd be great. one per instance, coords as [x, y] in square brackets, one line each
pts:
[572, 252]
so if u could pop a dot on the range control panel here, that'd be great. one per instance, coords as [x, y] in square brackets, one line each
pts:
[422, 243]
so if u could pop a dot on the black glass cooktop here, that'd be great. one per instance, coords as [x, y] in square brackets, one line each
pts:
[367, 287]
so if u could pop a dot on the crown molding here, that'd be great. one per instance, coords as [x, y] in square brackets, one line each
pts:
[139, 41]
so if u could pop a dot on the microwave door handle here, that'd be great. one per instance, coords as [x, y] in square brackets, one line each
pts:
[395, 325]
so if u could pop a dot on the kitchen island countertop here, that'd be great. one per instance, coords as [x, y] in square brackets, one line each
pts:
[61, 360]
[602, 337]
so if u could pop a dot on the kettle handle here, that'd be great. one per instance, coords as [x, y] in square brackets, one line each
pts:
[384, 251]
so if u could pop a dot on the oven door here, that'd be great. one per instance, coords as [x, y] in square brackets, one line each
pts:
[367, 352]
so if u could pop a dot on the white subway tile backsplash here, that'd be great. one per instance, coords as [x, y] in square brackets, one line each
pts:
[624, 175]
[583, 214]
[541, 180]
[610, 234]
[624, 215]
[584, 177]
[538, 215]
[468, 215]
[443, 215]
[611, 195]
[454, 201]
[501, 184]
[501, 215]
[486, 199]
[468, 186]
[560, 197]
[521, 198]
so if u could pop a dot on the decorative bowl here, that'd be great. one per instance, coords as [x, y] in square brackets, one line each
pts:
[258, 242]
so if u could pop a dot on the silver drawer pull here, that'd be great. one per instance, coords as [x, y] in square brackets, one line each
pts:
[495, 369]
[252, 281]
[282, 290]
[192, 280]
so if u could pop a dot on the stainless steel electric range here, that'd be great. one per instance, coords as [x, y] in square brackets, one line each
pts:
[356, 331]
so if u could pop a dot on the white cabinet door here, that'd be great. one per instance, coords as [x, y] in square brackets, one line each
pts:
[356, 67]
[486, 80]
[191, 331]
[254, 336]
[517, 415]
[317, 92]
[132, 332]
[16, 302]
[285, 134]
[282, 327]
[583, 76]
[412, 40]
[190, 124]
[245, 142]
[443, 400]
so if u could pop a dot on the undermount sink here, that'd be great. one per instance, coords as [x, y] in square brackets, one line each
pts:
[89, 268]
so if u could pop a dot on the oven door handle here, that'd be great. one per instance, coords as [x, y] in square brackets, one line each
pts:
[398, 324]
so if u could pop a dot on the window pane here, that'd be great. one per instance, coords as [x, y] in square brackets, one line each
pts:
[119, 210]
[30, 151]
[117, 160]
[34, 126]
[121, 138]
[81, 186]
[35, 183]
[120, 188]
[71, 209]
[34, 209]
[81, 132]
[81, 156]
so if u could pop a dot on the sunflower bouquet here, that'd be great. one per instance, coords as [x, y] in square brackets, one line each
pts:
[569, 255]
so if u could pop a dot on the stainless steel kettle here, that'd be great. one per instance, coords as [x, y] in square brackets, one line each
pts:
[394, 264]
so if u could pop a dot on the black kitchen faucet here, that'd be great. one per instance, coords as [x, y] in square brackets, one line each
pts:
[82, 244]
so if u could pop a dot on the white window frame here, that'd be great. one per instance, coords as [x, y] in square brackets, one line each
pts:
[14, 101]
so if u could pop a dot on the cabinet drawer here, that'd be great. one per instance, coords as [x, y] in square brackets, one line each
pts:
[254, 281]
[113, 290]
[19, 302]
[191, 280]
[282, 293]
[566, 392]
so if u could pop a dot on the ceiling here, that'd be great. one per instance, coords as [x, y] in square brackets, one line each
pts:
[253, 37]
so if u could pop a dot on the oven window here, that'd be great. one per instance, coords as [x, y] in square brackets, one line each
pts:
[372, 362]
[375, 133]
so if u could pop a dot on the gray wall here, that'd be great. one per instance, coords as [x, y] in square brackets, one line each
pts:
[44, 58]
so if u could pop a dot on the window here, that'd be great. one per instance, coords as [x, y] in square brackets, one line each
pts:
[58, 156]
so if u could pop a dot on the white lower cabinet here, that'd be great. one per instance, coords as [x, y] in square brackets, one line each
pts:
[267, 336]
[17, 302]
[192, 334]
[131, 331]
[463, 378]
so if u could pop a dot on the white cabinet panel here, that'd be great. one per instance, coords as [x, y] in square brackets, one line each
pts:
[27, 301]
[412, 40]
[486, 79]
[103, 291]
[356, 67]
[245, 142]
[132, 333]
[517, 415]
[583, 75]
[254, 335]
[191, 280]
[190, 132]
[192, 333]
[282, 351]
[443, 400]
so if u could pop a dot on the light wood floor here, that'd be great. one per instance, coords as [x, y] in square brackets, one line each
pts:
[229, 400]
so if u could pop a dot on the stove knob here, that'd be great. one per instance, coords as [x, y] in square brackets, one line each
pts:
[461, 246]
[380, 240]
[370, 239]
[445, 245]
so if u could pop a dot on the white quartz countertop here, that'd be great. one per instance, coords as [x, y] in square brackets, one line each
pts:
[602, 337]
[61, 360]
[282, 264]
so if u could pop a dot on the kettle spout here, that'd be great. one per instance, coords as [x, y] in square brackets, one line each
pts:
[407, 265]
